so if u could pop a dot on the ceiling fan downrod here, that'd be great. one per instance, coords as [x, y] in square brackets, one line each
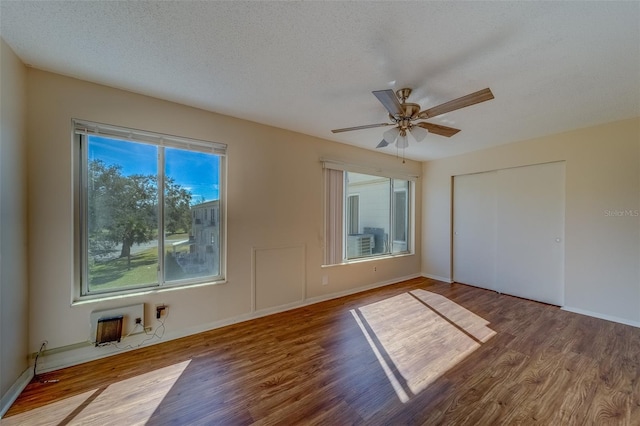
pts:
[403, 94]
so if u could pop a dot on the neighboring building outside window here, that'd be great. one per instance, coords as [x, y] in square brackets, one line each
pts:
[204, 250]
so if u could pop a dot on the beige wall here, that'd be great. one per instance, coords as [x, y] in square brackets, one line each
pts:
[14, 306]
[602, 271]
[274, 201]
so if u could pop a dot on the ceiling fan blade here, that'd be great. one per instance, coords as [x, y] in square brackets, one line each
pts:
[464, 101]
[390, 101]
[367, 126]
[438, 129]
[382, 144]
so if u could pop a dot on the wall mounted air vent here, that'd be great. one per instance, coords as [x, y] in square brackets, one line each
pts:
[109, 330]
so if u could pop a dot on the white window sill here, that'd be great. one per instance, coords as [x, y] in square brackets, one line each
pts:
[369, 259]
[83, 300]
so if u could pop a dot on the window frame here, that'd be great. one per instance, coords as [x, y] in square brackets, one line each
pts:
[394, 204]
[81, 131]
[352, 215]
[331, 204]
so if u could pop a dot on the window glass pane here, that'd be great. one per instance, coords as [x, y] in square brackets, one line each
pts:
[192, 214]
[353, 214]
[149, 209]
[400, 215]
[374, 215]
[122, 214]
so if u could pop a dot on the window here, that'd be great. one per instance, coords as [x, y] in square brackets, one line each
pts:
[142, 204]
[400, 209]
[353, 214]
[375, 211]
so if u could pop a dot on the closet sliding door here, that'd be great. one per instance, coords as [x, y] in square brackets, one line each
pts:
[474, 231]
[508, 231]
[530, 236]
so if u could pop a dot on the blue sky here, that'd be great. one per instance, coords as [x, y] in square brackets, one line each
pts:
[195, 171]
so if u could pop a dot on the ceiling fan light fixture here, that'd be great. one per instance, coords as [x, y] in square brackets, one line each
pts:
[403, 140]
[418, 133]
[390, 135]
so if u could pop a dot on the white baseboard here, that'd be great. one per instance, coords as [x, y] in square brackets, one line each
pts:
[437, 278]
[15, 390]
[601, 316]
[57, 358]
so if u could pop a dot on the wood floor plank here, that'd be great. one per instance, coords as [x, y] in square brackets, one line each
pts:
[416, 352]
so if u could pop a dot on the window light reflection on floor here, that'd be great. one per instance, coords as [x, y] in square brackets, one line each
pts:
[418, 336]
[140, 395]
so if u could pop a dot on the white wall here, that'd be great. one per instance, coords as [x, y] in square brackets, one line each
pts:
[275, 189]
[13, 219]
[602, 272]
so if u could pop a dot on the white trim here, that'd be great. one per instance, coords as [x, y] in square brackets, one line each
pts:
[437, 278]
[370, 259]
[83, 127]
[74, 355]
[601, 316]
[509, 168]
[367, 170]
[15, 390]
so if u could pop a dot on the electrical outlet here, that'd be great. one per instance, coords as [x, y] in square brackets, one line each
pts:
[138, 320]
[160, 309]
[375, 269]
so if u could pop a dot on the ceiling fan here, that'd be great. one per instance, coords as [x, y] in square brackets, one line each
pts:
[403, 116]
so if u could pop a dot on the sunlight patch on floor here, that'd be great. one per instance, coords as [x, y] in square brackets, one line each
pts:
[132, 401]
[54, 413]
[466, 320]
[402, 395]
[418, 336]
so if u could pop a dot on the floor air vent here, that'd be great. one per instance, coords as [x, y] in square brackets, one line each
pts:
[109, 330]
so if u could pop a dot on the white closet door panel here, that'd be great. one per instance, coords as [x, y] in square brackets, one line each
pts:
[474, 229]
[530, 232]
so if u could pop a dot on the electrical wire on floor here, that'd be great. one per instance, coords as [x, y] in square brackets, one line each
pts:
[35, 366]
[158, 333]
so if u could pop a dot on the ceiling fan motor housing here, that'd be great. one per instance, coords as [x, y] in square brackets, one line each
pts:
[409, 113]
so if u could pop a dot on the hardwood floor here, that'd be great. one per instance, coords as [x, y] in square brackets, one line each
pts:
[418, 352]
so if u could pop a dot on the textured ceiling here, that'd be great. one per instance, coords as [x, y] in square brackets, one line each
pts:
[311, 66]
